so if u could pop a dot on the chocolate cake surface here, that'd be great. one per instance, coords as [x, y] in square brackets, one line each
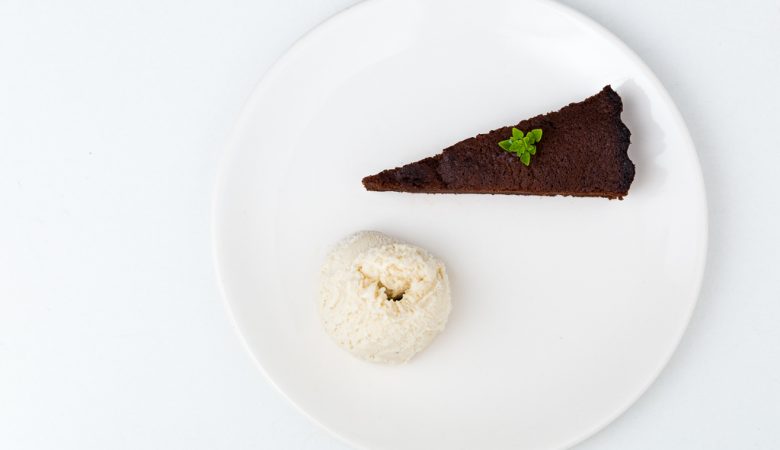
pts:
[583, 153]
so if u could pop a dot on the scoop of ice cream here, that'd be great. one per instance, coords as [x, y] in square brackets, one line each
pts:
[381, 299]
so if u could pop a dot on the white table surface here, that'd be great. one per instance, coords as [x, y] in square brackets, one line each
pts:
[112, 330]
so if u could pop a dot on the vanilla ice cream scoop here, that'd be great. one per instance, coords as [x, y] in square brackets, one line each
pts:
[381, 299]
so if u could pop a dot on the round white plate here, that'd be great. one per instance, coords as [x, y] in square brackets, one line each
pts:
[564, 309]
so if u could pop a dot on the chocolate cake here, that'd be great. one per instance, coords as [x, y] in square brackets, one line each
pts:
[583, 153]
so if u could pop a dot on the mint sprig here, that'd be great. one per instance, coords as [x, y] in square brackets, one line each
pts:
[522, 145]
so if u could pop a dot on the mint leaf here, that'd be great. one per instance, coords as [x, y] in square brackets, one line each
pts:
[521, 144]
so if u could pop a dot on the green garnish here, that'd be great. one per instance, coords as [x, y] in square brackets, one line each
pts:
[522, 145]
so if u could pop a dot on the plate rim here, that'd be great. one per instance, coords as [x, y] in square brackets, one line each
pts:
[228, 152]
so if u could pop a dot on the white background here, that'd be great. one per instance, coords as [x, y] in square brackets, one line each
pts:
[112, 330]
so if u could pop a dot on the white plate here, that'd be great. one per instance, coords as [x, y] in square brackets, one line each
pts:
[564, 309]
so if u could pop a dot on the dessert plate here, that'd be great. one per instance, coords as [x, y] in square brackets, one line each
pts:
[564, 309]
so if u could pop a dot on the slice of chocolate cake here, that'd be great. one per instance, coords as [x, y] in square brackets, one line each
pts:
[583, 153]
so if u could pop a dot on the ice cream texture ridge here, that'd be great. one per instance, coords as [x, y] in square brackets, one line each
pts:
[381, 299]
